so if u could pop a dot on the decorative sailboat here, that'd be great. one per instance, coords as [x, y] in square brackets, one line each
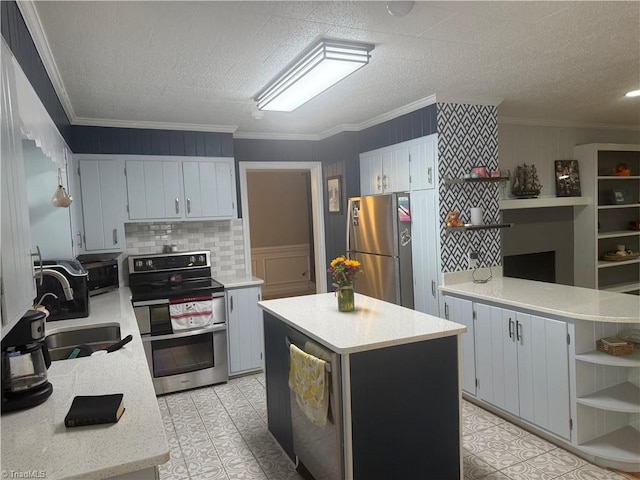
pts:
[525, 182]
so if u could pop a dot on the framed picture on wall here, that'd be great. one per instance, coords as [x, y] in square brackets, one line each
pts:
[567, 178]
[334, 194]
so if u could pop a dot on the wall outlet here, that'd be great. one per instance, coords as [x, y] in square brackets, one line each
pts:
[473, 259]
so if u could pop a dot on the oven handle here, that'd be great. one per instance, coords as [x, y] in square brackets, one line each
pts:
[150, 303]
[216, 328]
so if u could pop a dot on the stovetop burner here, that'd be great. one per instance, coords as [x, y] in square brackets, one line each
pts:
[172, 275]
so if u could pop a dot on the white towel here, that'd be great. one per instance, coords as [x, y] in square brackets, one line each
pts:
[191, 312]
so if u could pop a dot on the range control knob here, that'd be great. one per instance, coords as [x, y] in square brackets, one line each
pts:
[138, 264]
[192, 260]
[201, 259]
[149, 263]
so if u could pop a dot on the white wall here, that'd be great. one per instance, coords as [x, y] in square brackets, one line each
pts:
[50, 226]
[541, 145]
[547, 229]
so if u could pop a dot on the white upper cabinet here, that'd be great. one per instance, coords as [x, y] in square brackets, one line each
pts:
[406, 166]
[190, 188]
[209, 188]
[18, 287]
[103, 204]
[153, 190]
[395, 169]
[371, 173]
[423, 166]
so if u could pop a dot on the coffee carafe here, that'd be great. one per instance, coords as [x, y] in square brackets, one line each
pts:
[25, 360]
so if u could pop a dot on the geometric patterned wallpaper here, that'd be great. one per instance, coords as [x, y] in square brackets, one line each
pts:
[468, 137]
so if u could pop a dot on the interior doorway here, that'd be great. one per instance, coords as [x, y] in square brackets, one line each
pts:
[279, 257]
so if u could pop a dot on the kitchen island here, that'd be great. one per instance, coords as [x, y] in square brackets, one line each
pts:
[36, 440]
[530, 356]
[398, 390]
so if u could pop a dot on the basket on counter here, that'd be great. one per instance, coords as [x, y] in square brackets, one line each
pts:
[614, 346]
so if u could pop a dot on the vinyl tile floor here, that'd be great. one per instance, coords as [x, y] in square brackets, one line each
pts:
[220, 433]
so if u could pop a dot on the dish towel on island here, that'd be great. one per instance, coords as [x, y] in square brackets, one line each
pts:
[190, 312]
[307, 379]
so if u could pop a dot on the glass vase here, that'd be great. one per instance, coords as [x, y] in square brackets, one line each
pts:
[345, 299]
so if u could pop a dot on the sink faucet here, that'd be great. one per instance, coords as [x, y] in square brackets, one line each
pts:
[66, 288]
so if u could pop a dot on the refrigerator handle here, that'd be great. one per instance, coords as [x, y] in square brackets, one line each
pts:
[348, 224]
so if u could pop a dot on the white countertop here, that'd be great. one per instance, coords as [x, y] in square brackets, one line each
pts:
[238, 280]
[373, 324]
[551, 298]
[37, 440]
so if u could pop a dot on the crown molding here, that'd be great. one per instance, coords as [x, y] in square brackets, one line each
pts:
[463, 100]
[538, 122]
[194, 127]
[32, 20]
[411, 107]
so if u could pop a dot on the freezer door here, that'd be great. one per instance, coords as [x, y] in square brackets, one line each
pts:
[372, 226]
[380, 277]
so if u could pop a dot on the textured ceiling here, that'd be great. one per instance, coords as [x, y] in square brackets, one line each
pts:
[199, 64]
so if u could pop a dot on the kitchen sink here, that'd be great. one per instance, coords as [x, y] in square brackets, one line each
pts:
[61, 344]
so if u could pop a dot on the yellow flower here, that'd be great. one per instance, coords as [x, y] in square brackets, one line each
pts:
[352, 263]
[337, 261]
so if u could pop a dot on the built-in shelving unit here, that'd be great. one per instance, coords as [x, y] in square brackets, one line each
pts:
[607, 397]
[601, 358]
[603, 225]
[619, 398]
[488, 226]
[542, 202]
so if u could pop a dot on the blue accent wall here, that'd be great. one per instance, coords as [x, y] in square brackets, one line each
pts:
[138, 141]
[418, 123]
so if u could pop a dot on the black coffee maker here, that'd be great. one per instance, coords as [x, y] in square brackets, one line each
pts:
[25, 360]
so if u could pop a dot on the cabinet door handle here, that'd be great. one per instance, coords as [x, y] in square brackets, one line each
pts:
[378, 184]
[177, 205]
[446, 311]
[510, 328]
[433, 288]
[385, 184]
[518, 331]
[115, 236]
[230, 304]
[430, 175]
[188, 205]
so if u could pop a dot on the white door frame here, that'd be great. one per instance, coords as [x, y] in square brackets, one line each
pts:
[317, 209]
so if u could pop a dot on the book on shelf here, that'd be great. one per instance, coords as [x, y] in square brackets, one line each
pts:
[94, 410]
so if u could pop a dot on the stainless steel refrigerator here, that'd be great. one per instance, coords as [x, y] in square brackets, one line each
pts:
[379, 237]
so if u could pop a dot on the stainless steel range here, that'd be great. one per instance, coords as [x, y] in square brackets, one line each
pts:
[181, 314]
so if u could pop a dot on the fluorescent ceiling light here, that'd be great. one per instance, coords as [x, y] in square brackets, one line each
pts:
[633, 93]
[322, 65]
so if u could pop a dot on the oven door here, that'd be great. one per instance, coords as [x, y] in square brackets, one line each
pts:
[190, 359]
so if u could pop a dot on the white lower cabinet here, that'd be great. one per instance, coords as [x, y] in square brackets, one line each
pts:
[244, 324]
[522, 366]
[460, 310]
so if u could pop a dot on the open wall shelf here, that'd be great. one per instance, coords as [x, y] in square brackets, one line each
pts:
[488, 226]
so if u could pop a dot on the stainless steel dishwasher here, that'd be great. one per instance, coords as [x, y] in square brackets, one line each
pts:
[319, 449]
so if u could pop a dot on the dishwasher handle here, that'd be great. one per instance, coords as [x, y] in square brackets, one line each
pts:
[327, 365]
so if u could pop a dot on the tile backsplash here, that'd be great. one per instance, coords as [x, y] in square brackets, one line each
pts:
[224, 239]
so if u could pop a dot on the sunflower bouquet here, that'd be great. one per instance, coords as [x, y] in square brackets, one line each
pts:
[344, 271]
